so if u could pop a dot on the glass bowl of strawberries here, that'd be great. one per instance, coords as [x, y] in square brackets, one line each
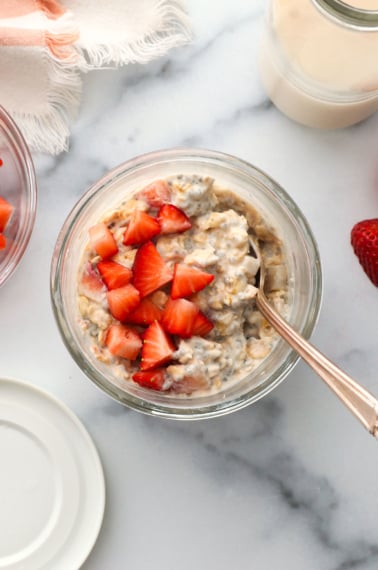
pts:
[154, 279]
[17, 196]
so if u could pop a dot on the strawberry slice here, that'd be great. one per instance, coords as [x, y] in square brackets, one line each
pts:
[102, 240]
[173, 220]
[153, 379]
[91, 285]
[123, 342]
[146, 313]
[179, 317]
[202, 325]
[142, 227]
[157, 347]
[3, 241]
[114, 274]
[149, 270]
[122, 301]
[6, 210]
[188, 280]
[190, 384]
[155, 194]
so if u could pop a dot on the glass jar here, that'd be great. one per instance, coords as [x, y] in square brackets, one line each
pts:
[18, 187]
[318, 60]
[252, 186]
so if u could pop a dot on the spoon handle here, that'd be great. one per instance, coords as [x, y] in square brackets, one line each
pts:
[359, 401]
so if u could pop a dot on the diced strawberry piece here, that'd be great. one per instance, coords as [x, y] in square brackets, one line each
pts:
[202, 325]
[114, 274]
[91, 285]
[179, 317]
[188, 280]
[153, 379]
[123, 342]
[156, 194]
[122, 301]
[190, 384]
[102, 240]
[3, 241]
[149, 270]
[6, 210]
[142, 227]
[146, 313]
[157, 347]
[173, 220]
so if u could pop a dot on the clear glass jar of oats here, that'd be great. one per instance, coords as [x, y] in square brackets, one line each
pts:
[226, 199]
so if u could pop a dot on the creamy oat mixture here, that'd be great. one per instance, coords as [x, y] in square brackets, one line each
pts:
[217, 243]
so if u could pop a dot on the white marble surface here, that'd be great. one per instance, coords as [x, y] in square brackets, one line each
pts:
[289, 482]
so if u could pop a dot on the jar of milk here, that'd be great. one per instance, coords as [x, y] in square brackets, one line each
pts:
[319, 60]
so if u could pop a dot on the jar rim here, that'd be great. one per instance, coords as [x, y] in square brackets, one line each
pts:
[340, 10]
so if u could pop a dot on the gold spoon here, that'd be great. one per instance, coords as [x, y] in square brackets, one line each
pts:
[359, 401]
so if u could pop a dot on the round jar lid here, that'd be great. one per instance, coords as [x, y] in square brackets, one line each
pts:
[52, 490]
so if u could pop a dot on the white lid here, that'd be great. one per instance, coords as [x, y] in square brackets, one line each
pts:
[52, 491]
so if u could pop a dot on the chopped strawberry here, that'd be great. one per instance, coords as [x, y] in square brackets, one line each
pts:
[202, 325]
[123, 342]
[91, 285]
[190, 384]
[114, 274]
[3, 241]
[179, 317]
[149, 269]
[6, 210]
[188, 280]
[157, 347]
[364, 239]
[146, 313]
[172, 220]
[102, 240]
[142, 227]
[156, 194]
[153, 379]
[122, 301]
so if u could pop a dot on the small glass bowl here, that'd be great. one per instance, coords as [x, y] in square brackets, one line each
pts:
[250, 184]
[18, 187]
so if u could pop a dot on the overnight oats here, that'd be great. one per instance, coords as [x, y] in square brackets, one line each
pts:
[167, 284]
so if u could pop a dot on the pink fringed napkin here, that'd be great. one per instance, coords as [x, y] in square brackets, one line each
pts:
[46, 45]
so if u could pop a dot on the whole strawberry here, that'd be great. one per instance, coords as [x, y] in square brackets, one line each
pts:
[364, 239]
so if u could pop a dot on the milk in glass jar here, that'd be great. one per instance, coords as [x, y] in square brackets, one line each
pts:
[319, 60]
